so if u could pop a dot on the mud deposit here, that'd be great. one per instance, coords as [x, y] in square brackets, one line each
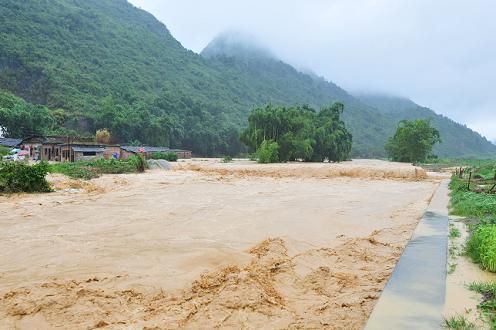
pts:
[206, 248]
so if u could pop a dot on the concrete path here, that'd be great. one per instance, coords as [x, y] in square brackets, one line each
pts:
[414, 295]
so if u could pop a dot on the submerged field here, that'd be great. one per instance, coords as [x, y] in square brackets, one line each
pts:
[209, 244]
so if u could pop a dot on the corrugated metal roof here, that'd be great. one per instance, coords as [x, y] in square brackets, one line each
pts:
[88, 149]
[7, 142]
[147, 149]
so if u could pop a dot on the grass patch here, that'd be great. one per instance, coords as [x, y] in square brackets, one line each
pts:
[169, 156]
[452, 268]
[471, 204]
[454, 232]
[88, 170]
[460, 162]
[481, 246]
[458, 322]
[488, 304]
[453, 251]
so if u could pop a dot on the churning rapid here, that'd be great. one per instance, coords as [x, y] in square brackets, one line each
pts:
[209, 244]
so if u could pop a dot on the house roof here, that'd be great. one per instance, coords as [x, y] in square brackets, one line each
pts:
[57, 140]
[147, 149]
[88, 149]
[11, 143]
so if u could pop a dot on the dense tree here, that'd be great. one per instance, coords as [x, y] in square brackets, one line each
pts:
[19, 118]
[268, 152]
[333, 141]
[102, 136]
[413, 141]
[299, 133]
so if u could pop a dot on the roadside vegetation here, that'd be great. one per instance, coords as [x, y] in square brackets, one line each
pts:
[483, 164]
[18, 177]
[488, 304]
[473, 196]
[459, 322]
[92, 169]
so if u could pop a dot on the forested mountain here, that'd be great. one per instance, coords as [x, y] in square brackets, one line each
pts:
[457, 139]
[105, 63]
[109, 64]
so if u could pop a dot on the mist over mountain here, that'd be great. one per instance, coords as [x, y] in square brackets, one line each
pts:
[236, 44]
[105, 63]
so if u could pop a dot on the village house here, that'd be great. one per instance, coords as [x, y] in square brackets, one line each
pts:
[78, 152]
[63, 148]
[54, 148]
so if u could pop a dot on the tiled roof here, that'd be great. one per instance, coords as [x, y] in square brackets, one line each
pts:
[11, 143]
[88, 149]
[147, 149]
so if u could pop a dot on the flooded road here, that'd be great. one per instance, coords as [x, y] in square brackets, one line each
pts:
[415, 294]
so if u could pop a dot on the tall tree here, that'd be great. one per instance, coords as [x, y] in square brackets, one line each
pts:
[413, 141]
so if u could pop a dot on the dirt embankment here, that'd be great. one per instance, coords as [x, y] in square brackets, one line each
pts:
[183, 249]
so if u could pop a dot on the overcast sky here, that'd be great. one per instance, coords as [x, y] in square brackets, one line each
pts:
[441, 53]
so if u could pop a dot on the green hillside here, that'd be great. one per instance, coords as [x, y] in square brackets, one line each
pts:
[109, 64]
[105, 63]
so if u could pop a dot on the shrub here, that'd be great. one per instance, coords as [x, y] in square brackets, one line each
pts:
[74, 170]
[92, 169]
[227, 159]
[139, 163]
[114, 166]
[268, 152]
[20, 177]
[102, 136]
[169, 156]
[481, 246]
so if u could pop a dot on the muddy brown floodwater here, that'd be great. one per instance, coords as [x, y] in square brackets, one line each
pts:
[209, 245]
